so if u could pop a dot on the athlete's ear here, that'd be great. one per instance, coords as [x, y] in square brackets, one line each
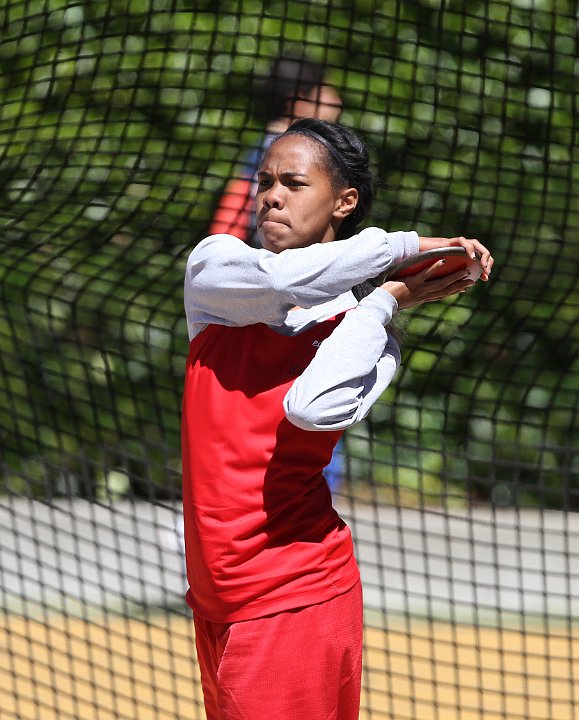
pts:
[346, 203]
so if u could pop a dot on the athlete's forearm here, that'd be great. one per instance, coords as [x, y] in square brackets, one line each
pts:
[229, 283]
[350, 371]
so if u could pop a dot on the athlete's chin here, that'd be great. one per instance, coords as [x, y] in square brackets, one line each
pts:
[272, 245]
[275, 239]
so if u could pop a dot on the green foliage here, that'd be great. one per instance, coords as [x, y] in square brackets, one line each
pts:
[120, 122]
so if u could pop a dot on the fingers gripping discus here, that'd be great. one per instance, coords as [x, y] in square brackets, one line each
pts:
[456, 258]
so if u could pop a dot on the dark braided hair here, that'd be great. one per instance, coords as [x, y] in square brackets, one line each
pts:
[348, 161]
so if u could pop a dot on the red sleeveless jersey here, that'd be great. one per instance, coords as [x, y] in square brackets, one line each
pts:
[261, 534]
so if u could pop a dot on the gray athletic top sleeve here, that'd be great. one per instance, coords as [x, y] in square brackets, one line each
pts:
[350, 370]
[230, 283]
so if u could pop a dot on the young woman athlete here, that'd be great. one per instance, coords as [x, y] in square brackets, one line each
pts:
[282, 358]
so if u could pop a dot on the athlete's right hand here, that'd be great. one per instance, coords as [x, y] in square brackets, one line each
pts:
[422, 288]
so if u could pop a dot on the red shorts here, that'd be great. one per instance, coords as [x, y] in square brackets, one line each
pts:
[305, 663]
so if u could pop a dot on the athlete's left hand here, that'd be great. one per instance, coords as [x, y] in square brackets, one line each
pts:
[471, 245]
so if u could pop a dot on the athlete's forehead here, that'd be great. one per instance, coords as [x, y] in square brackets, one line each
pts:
[294, 154]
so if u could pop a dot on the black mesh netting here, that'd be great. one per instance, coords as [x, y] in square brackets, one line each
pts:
[121, 123]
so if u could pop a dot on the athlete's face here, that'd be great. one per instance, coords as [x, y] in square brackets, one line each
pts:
[296, 204]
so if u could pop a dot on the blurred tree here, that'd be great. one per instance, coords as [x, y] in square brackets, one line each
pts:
[122, 120]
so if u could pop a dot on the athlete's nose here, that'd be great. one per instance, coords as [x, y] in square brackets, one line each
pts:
[273, 197]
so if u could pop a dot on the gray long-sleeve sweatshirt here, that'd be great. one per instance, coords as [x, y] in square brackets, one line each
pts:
[229, 283]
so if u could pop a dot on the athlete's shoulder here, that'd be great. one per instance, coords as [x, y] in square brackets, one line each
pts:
[216, 239]
[214, 247]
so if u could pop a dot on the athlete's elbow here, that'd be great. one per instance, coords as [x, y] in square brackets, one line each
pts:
[301, 421]
[313, 419]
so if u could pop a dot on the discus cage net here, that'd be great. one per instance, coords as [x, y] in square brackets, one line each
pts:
[121, 122]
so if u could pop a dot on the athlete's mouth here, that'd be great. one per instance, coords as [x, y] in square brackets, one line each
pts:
[272, 220]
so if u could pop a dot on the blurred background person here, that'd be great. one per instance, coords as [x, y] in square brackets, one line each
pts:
[295, 88]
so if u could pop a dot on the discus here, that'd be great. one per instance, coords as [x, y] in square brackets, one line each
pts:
[456, 258]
